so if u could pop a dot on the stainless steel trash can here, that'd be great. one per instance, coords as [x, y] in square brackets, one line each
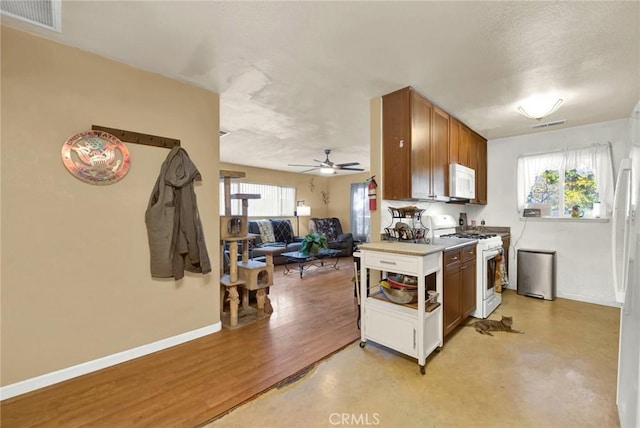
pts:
[537, 273]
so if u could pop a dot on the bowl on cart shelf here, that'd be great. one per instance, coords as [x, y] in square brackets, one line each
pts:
[396, 295]
[403, 282]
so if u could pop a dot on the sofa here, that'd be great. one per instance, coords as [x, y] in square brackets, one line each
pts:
[273, 233]
[332, 229]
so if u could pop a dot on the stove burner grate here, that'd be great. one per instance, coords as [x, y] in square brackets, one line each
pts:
[470, 235]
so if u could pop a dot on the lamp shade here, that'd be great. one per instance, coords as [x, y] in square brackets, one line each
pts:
[303, 211]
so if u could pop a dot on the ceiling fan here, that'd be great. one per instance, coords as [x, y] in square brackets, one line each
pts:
[328, 167]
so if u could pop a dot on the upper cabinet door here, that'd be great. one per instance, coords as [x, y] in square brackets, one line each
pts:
[396, 145]
[465, 146]
[458, 142]
[481, 171]
[478, 162]
[421, 146]
[439, 153]
[454, 137]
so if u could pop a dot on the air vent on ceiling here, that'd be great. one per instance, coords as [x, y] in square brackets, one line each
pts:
[43, 13]
[548, 124]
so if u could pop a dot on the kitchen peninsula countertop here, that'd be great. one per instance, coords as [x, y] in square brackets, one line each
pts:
[406, 248]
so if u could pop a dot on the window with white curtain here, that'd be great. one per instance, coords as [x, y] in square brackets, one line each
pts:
[275, 201]
[360, 214]
[567, 183]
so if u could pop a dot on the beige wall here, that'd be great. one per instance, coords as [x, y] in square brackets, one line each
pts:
[75, 259]
[375, 117]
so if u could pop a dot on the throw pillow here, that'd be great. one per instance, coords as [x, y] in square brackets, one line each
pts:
[266, 231]
[282, 230]
[327, 227]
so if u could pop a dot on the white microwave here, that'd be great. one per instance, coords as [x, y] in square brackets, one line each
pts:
[462, 182]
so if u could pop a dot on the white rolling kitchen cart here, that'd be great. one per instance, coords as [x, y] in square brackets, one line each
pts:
[413, 329]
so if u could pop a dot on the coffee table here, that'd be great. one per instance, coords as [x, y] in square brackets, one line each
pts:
[305, 261]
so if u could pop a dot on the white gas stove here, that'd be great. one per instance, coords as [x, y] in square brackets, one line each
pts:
[489, 247]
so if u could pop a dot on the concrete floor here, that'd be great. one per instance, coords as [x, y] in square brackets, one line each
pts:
[560, 373]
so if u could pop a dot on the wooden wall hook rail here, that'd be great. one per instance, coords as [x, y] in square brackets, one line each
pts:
[138, 138]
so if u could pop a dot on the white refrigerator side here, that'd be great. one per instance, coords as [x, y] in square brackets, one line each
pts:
[621, 219]
[629, 350]
[627, 268]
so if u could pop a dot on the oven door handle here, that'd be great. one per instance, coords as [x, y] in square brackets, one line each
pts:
[491, 254]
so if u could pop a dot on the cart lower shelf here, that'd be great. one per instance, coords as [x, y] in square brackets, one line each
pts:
[396, 326]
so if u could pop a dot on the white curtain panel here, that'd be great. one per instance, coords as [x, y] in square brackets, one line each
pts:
[597, 158]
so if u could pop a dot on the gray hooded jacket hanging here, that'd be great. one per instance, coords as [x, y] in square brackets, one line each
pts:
[176, 239]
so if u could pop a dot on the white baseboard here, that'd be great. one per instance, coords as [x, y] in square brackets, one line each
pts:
[38, 382]
[580, 298]
[587, 299]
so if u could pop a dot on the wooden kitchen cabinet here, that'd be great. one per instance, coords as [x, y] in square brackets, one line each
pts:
[480, 148]
[415, 151]
[439, 152]
[468, 148]
[396, 145]
[459, 285]
[421, 112]
[419, 141]
[452, 315]
[458, 142]
[468, 285]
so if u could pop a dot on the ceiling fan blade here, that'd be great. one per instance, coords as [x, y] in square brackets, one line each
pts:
[328, 164]
[324, 162]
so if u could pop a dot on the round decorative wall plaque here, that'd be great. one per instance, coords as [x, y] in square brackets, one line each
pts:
[96, 157]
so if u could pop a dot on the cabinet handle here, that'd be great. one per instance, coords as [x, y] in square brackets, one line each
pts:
[414, 338]
[384, 262]
[464, 267]
[454, 258]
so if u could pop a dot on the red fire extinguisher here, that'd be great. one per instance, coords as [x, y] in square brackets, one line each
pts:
[372, 193]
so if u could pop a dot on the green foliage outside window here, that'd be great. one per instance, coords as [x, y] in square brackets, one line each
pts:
[579, 188]
[545, 190]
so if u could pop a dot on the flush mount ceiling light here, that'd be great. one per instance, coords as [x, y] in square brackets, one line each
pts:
[537, 108]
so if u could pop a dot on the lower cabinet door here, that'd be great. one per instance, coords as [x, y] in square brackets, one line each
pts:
[468, 284]
[452, 314]
[394, 330]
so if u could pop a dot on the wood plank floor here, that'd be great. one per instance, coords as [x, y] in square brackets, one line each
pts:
[193, 383]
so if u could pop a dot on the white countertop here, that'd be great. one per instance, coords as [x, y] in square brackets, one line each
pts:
[408, 248]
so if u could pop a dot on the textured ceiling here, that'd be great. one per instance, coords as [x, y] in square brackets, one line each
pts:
[297, 77]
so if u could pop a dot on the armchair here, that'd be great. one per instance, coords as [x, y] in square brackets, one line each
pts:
[332, 229]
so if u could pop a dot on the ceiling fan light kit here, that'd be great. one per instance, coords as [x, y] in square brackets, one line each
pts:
[328, 167]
